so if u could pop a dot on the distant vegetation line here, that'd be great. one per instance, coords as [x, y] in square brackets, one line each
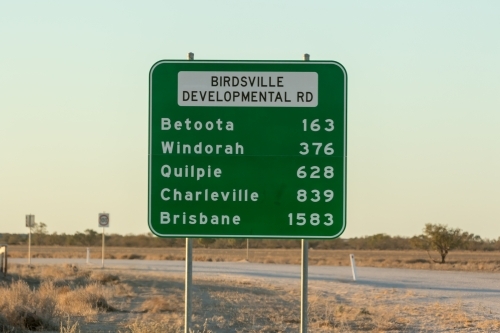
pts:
[90, 237]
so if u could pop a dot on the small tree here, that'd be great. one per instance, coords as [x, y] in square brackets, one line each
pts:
[235, 242]
[442, 239]
[39, 231]
[91, 237]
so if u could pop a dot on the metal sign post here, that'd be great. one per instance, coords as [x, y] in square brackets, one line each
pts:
[303, 286]
[189, 271]
[102, 255]
[30, 223]
[304, 273]
[188, 285]
[29, 247]
[103, 223]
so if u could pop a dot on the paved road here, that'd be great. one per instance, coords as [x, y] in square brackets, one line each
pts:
[471, 287]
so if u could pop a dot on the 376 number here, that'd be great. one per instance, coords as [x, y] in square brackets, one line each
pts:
[327, 149]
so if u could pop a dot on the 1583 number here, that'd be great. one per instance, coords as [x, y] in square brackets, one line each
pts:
[313, 219]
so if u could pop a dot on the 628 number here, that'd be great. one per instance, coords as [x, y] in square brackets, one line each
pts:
[315, 172]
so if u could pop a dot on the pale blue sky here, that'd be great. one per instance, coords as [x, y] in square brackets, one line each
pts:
[424, 103]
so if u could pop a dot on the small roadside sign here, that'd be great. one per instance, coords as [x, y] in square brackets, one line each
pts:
[30, 221]
[103, 220]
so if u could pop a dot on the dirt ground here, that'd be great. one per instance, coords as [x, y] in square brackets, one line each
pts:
[151, 302]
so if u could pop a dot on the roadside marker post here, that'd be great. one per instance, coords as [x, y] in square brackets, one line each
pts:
[3, 258]
[353, 266]
[247, 149]
[103, 221]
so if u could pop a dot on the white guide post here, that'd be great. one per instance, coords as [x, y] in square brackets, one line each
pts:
[353, 267]
[88, 255]
[189, 270]
[3, 259]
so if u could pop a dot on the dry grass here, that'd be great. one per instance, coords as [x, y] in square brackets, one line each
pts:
[72, 300]
[140, 326]
[157, 304]
[457, 260]
[249, 305]
[49, 297]
[22, 307]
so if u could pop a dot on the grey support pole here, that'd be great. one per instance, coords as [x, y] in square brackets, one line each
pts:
[189, 270]
[188, 285]
[304, 274]
[102, 264]
[29, 246]
[303, 286]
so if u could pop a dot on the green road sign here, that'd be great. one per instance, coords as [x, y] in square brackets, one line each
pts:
[253, 149]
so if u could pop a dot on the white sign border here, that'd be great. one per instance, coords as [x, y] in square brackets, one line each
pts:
[305, 63]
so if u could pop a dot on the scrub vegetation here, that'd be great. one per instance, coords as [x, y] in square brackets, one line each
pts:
[46, 298]
[92, 238]
[412, 259]
[69, 299]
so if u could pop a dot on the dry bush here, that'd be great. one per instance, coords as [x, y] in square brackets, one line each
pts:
[38, 297]
[104, 278]
[144, 326]
[69, 326]
[84, 301]
[48, 272]
[4, 325]
[158, 304]
[26, 308]
[123, 289]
